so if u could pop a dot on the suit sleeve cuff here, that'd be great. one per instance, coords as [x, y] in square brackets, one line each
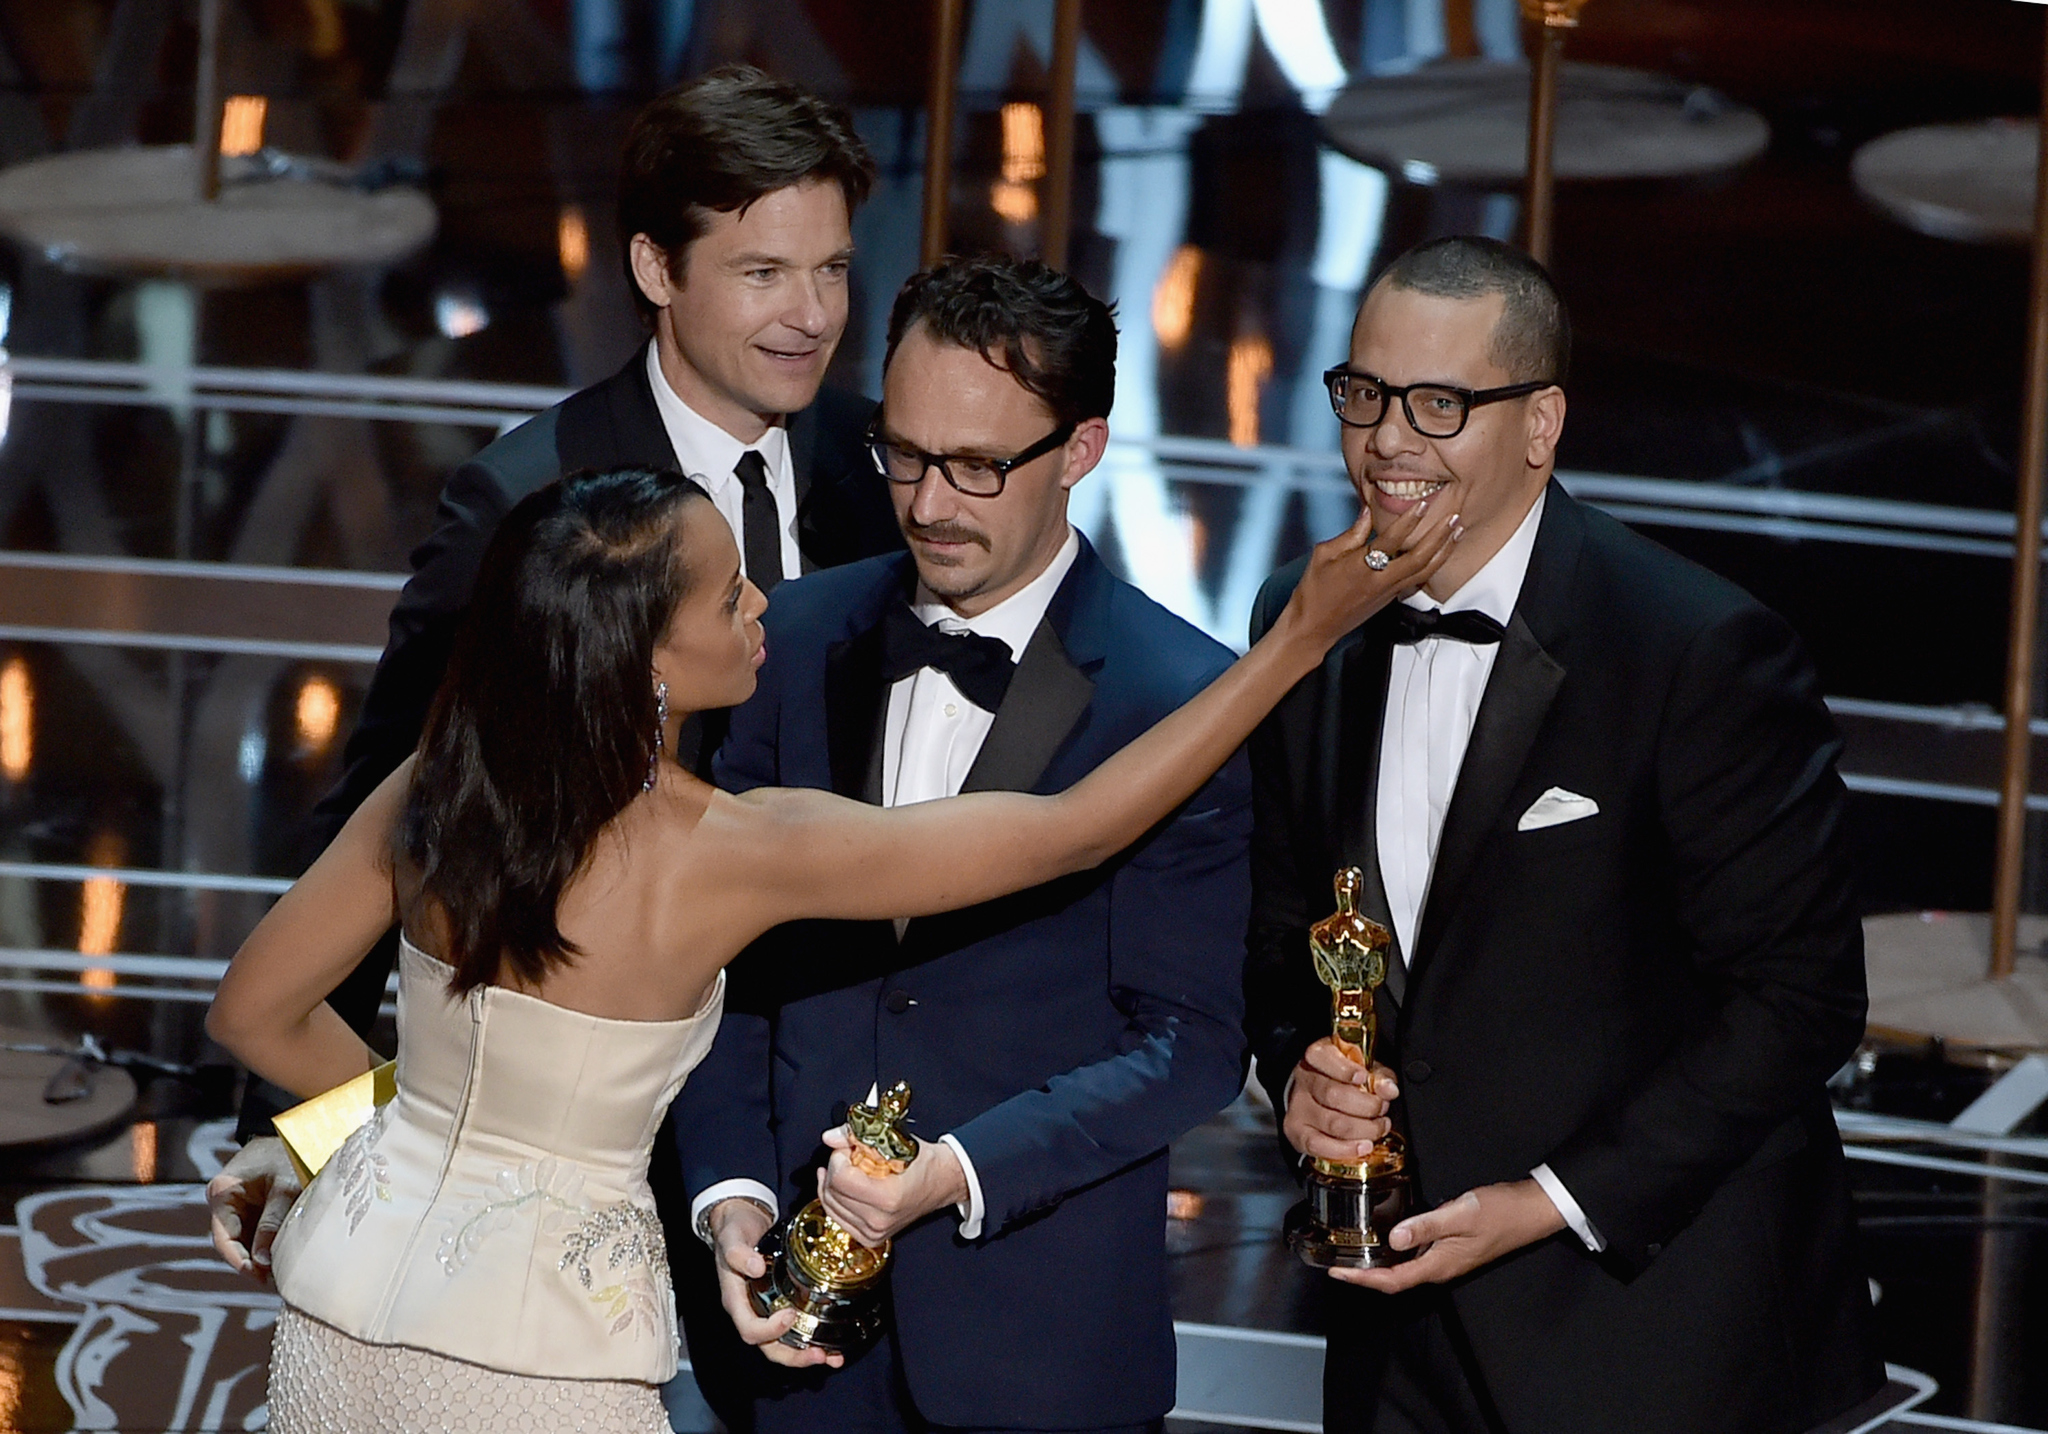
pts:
[973, 1210]
[1574, 1217]
[754, 1190]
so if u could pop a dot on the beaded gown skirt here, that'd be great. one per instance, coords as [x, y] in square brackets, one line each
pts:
[325, 1382]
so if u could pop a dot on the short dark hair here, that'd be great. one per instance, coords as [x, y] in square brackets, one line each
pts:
[1055, 338]
[722, 141]
[544, 725]
[1533, 339]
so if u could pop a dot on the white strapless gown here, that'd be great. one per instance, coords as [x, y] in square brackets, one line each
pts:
[489, 1236]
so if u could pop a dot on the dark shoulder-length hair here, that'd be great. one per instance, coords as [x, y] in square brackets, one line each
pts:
[544, 725]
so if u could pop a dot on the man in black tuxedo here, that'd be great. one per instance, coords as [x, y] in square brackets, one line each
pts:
[737, 192]
[1056, 1040]
[1592, 790]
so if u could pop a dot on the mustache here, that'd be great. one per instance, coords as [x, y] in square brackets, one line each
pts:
[945, 533]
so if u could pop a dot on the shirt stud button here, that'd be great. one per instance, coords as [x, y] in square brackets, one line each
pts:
[952, 709]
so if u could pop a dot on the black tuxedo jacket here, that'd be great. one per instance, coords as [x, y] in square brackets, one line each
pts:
[1649, 999]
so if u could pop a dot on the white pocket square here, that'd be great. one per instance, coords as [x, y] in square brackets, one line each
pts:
[1556, 807]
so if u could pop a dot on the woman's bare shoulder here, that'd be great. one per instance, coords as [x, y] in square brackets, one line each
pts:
[758, 838]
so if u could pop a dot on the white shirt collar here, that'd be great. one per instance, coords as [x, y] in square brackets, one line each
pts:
[1496, 587]
[707, 452]
[1017, 616]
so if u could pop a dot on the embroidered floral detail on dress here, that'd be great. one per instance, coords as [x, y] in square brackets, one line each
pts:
[364, 1174]
[637, 1301]
[553, 1184]
[636, 1241]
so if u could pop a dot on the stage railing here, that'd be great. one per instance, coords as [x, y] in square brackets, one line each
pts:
[354, 602]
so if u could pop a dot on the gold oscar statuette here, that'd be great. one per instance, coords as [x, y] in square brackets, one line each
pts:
[1352, 1204]
[815, 1266]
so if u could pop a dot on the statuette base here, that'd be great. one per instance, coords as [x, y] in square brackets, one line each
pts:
[1345, 1221]
[841, 1316]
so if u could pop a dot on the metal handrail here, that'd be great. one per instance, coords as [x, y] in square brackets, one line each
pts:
[1767, 512]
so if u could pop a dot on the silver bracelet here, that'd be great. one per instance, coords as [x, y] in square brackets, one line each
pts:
[703, 1225]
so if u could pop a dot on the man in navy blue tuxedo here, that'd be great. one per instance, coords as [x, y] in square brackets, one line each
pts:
[1056, 1040]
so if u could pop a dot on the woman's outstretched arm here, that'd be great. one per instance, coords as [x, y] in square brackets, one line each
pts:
[271, 1009]
[819, 855]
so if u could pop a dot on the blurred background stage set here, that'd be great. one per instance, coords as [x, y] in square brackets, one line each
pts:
[272, 268]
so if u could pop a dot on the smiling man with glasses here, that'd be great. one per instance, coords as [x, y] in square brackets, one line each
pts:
[1434, 410]
[1591, 790]
[1055, 1041]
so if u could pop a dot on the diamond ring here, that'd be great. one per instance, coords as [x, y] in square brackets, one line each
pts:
[1377, 560]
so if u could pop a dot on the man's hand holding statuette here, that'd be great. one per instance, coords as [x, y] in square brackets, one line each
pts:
[1475, 1229]
[1337, 1108]
[877, 1206]
[736, 1226]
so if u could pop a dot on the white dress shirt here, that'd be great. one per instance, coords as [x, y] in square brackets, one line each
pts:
[1433, 692]
[709, 454]
[933, 734]
[1434, 688]
[930, 738]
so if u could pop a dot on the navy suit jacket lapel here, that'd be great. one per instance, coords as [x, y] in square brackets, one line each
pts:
[856, 698]
[856, 702]
[1048, 696]
[1052, 686]
[1524, 683]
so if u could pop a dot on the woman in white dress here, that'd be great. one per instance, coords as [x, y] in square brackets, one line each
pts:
[484, 1252]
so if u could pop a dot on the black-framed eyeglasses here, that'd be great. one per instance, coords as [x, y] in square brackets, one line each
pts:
[971, 473]
[1435, 410]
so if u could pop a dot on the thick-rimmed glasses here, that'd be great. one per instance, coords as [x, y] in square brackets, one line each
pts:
[974, 474]
[1435, 410]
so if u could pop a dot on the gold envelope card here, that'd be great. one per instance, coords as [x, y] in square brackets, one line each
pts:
[314, 1130]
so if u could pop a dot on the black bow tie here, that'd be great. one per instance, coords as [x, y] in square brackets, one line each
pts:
[1412, 624]
[979, 666]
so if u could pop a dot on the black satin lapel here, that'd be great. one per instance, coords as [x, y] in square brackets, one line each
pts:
[1518, 696]
[855, 705]
[1354, 729]
[802, 436]
[1047, 696]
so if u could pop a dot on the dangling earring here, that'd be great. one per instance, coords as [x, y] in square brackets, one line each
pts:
[660, 726]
